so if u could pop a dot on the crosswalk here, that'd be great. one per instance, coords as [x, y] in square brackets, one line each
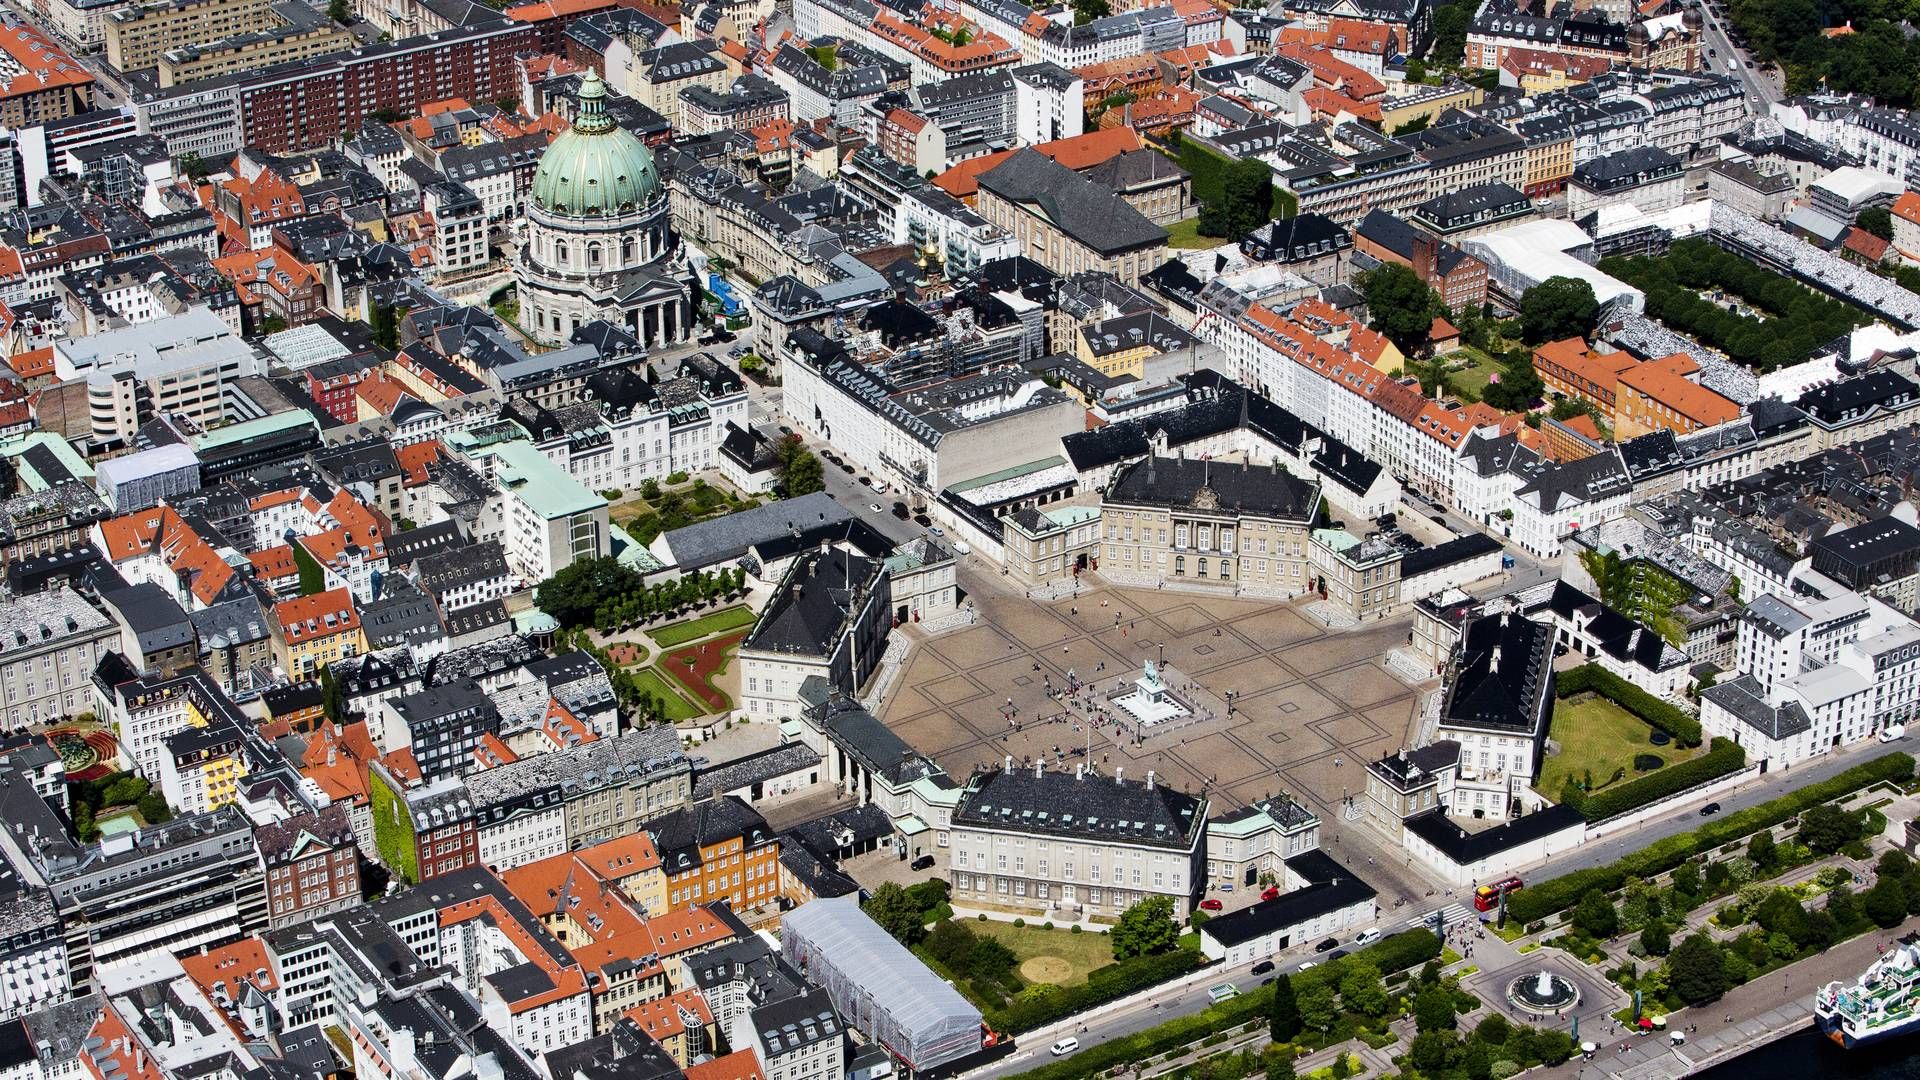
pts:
[1452, 913]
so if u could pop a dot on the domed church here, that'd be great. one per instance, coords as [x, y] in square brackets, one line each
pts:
[599, 242]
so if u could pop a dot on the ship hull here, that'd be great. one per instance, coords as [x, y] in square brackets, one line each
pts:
[1840, 1034]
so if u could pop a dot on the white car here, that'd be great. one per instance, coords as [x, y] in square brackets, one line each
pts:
[1892, 732]
[1306, 965]
[962, 547]
[876, 508]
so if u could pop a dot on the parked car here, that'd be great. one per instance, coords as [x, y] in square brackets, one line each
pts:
[1210, 904]
[1337, 954]
[1263, 967]
[1066, 1046]
[1272, 893]
[962, 547]
[924, 862]
[923, 521]
[845, 468]
[1306, 965]
[1330, 943]
[876, 508]
[1366, 937]
[934, 530]
[1710, 809]
[1892, 732]
[900, 510]
[866, 481]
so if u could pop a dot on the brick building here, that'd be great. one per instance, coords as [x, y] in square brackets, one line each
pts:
[312, 865]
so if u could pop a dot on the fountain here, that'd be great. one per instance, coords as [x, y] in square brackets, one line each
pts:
[1543, 993]
[1150, 702]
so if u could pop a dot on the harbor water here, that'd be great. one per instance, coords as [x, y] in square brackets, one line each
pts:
[1808, 1053]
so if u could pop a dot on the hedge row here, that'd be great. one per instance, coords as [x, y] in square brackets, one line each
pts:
[1537, 901]
[1108, 983]
[1660, 714]
[1402, 950]
[1724, 759]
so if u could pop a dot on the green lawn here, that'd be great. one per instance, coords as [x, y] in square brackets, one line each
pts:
[1186, 234]
[1471, 382]
[1082, 952]
[677, 707]
[686, 630]
[1595, 735]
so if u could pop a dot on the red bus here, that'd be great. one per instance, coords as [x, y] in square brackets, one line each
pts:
[1487, 897]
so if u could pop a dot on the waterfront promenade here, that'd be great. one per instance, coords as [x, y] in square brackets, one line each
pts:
[1765, 1009]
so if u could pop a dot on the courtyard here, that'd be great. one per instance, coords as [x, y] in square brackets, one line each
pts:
[1309, 707]
[1596, 742]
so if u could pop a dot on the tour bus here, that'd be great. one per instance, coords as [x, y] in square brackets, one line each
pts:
[1487, 897]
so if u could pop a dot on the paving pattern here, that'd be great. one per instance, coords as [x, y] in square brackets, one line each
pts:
[1311, 706]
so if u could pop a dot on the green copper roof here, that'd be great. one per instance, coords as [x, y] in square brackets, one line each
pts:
[597, 168]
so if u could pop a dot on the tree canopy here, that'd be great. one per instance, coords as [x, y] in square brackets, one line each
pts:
[796, 470]
[1559, 307]
[1698, 970]
[1400, 305]
[577, 591]
[1146, 929]
[897, 914]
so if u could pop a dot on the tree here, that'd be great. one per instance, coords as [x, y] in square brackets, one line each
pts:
[1827, 828]
[1595, 916]
[1362, 990]
[1450, 33]
[1248, 196]
[193, 167]
[1431, 1049]
[1844, 908]
[1146, 929]
[1519, 387]
[1655, 940]
[1085, 11]
[1433, 1009]
[1698, 970]
[1317, 1008]
[1877, 221]
[796, 471]
[1886, 902]
[339, 11]
[1282, 1068]
[577, 593]
[1283, 1023]
[386, 327]
[1559, 307]
[1762, 850]
[890, 907]
[1399, 304]
[990, 959]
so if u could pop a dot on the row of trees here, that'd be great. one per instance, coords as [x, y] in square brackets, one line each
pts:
[1801, 319]
[609, 595]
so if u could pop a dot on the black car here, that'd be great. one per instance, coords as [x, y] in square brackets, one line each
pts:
[1330, 943]
[846, 468]
[1263, 967]
[924, 862]
[1710, 809]
[923, 521]
[866, 482]
[900, 510]
[1337, 954]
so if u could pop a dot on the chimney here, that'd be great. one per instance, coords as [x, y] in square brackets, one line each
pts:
[1426, 254]
[1149, 779]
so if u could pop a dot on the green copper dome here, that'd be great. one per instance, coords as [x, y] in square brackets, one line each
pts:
[597, 168]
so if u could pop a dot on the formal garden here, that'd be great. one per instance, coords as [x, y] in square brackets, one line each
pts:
[679, 502]
[1598, 743]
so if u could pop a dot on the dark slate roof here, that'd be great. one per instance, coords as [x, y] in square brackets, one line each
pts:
[1651, 454]
[1396, 236]
[1839, 401]
[1250, 489]
[1622, 638]
[808, 615]
[765, 765]
[1090, 807]
[849, 828]
[726, 538]
[1502, 695]
[1080, 208]
[1464, 847]
[156, 619]
[1330, 887]
[1457, 550]
[1588, 479]
[679, 836]
[1409, 768]
[1744, 698]
[1303, 236]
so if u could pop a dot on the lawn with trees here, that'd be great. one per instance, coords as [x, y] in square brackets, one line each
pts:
[1878, 58]
[1596, 742]
[611, 596]
[718, 622]
[1799, 320]
[91, 798]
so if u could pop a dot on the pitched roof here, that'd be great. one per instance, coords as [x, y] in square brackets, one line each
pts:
[1079, 208]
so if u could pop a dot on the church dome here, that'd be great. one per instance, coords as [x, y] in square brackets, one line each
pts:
[596, 169]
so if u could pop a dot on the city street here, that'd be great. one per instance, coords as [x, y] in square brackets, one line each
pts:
[1762, 88]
